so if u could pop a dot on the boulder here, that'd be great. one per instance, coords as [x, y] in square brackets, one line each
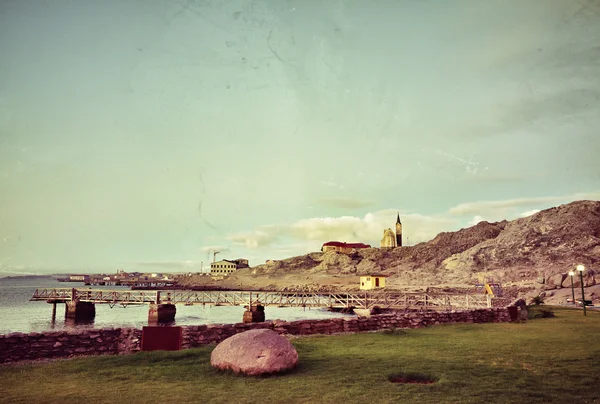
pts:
[589, 279]
[555, 281]
[254, 353]
[567, 282]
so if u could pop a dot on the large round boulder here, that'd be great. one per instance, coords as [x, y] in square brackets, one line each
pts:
[255, 352]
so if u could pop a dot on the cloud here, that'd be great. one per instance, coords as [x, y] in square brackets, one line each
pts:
[530, 212]
[346, 228]
[475, 220]
[502, 207]
[345, 202]
[306, 235]
[488, 177]
[263, 236]
[485, 206]
[332, 184]
[368, 229]
[470, 166]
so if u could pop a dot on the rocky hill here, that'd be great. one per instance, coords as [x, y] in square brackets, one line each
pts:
[536, 251]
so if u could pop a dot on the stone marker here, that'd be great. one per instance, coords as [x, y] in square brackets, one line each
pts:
[519, 303]
[254, 353]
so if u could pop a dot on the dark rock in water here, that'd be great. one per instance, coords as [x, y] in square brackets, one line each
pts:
[254, 353]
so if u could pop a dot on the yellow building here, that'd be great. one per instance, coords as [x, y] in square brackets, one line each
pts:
[372, 281]
[226, 267]
[389, 239]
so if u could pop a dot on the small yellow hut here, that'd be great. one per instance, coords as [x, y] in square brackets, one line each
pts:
[372, 281]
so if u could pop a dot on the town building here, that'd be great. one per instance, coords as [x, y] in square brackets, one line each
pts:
[227, 267]
[346, 248]
[79, 278]
[391, 239]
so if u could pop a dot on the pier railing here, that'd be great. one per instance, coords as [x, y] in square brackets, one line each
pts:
[362, 300]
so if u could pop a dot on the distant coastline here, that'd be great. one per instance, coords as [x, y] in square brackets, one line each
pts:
[29, 277]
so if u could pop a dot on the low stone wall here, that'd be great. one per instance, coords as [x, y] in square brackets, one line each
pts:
[194, 336]
[61, 344]
[120, 341]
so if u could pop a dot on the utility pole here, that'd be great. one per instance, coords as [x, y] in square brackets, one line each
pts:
[485, 269]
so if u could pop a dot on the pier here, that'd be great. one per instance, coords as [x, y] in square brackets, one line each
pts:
[162, 303]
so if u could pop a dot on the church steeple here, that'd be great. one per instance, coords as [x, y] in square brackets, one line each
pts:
[398, 231]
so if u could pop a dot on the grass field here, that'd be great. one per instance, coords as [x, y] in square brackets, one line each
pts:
[549, 360]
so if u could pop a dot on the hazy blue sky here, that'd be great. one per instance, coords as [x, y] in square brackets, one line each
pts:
[140, 134]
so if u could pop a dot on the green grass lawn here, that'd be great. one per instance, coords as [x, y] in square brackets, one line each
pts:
[541, 361]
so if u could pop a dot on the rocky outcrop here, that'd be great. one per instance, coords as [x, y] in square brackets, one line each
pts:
[255, 353]
[531, 251]
[555, 281]
[590, 278]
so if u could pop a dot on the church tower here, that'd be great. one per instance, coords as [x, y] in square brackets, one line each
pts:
[398, 231]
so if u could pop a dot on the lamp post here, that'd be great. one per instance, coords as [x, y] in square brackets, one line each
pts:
[571, 274]
[580, 269]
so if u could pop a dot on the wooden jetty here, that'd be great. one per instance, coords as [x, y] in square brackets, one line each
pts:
[81, 300]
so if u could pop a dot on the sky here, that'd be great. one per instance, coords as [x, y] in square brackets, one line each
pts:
[144, 135]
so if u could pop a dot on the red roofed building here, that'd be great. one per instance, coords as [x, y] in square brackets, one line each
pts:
[343, 247]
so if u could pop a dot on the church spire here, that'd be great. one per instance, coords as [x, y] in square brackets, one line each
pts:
[398, 231]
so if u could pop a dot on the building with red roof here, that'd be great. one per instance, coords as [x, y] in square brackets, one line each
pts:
[342, 247]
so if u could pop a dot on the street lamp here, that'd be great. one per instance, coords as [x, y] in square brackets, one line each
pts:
[571, 274]
[580, 269]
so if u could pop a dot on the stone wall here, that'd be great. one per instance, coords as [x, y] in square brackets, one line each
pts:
[194, 336]
[56, 344]
[120, 341]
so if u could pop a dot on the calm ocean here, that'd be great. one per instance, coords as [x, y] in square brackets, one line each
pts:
[18, 314]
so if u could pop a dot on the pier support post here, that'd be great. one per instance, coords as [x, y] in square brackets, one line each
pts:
[83, 311]
[53, 312]
[161, 313]
[255, 314]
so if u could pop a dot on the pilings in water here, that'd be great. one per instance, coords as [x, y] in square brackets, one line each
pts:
[161, 313]
[255, 314]
[76, 310]
[79, 311]
[162, 308]
[54, 302]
